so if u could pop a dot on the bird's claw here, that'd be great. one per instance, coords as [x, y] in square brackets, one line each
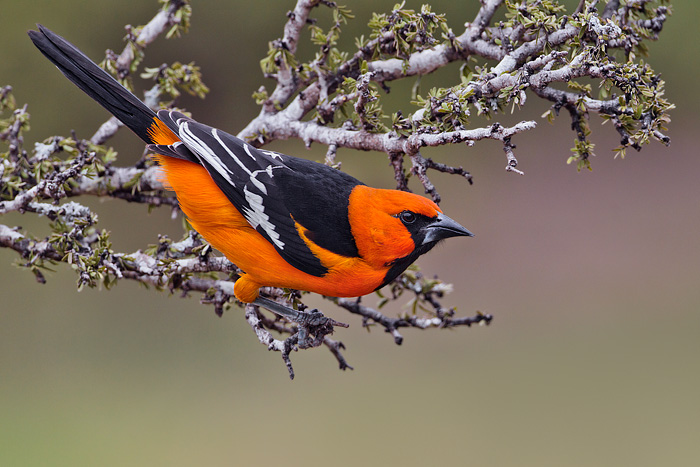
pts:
[314, 318]
[309, 323]
[315, 323]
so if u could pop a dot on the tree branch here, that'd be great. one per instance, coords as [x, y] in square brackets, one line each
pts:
[336, 99]
[392, 325]
[162, 21]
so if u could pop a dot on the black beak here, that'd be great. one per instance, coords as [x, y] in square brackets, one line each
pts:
[443, 227]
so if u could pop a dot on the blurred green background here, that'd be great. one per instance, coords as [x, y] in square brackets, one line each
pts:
[592, 358]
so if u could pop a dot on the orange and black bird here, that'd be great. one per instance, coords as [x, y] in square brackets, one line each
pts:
[284, 221]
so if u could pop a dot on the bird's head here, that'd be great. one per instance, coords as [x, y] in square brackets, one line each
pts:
[392, 228]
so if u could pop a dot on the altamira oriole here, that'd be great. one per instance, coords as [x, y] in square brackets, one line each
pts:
[284, 221]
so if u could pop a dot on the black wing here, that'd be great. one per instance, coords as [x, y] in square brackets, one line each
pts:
[318, 198]
[273, 190]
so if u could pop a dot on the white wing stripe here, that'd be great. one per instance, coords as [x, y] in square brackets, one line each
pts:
[257, 217]
[230, 153]
[204, 152]
[273, 154]
[260, 185]
[245, 146]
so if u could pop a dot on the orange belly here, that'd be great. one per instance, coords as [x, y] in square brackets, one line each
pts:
[212, 215]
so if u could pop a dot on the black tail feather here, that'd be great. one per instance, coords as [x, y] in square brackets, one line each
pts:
[95, 82]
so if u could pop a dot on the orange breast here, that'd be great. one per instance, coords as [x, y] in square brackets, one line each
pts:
[224, 227]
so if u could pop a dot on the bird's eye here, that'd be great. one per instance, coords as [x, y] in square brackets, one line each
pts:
[407, 217]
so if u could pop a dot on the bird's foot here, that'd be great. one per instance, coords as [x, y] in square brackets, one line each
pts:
[314, 323]
[310, 323]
